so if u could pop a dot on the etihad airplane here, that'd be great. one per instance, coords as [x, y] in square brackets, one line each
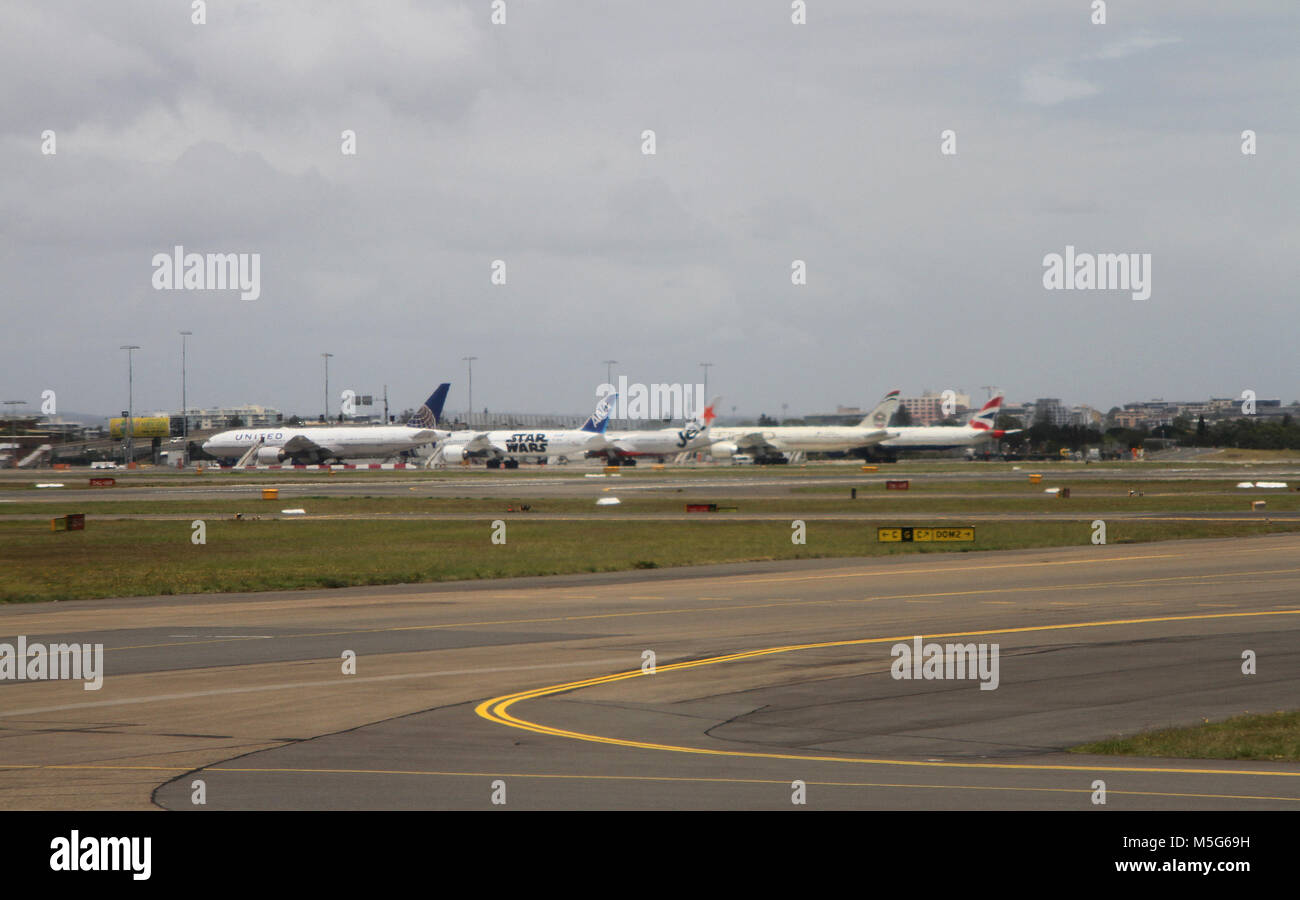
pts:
[624, 446]
[320, 444]
[947, 437]
[773, 442]
[506, 448]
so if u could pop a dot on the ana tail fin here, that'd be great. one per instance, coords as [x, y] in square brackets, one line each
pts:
[599, 420]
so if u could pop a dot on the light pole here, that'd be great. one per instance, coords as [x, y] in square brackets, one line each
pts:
[705, 367]
[469, 360]
[130, 401]
[185, 412]
[325, 417]
[609, 376]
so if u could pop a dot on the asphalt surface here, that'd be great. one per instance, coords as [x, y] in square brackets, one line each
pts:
[767, 674]
[584, 480]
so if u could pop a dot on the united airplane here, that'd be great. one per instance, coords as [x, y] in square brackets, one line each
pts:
[323, 444]
[506, 448]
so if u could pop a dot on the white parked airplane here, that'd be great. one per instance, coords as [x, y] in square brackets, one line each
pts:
[624, 446]
[319, 444]
[773, 442]
[947, 437]
[506, 448]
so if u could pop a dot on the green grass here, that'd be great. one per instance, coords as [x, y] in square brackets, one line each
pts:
[1268, 736]
[139, 558]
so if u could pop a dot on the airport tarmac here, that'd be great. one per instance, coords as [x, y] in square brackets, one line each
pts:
[766, 674]
[591, 481]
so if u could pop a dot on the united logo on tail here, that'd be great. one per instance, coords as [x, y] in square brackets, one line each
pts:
[427, 416]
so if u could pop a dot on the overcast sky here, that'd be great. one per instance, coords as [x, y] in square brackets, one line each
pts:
[523, 142]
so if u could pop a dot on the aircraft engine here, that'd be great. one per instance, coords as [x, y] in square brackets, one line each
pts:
[724, 450]
[453, 453]
[270, 456]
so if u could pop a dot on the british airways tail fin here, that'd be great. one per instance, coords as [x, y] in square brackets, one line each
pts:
[599, 420]
[884, 411]
[987, 417]
[427, 416]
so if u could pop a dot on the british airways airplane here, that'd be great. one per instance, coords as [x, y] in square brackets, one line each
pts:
[945, 437]
[325, 443]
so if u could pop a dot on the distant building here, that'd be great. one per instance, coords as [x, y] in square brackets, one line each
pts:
[1086, 417]
[928, 408]
[1050, 411]
[208, 419]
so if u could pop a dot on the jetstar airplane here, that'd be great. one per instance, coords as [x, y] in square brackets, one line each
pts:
[506, 448]
[770, 444]
[946, 437]
[625, 445]
[326, 443]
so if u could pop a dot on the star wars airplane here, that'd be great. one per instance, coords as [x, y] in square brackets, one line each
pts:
[625, 446]
[271, 446]
[506, 448]
[772, 443]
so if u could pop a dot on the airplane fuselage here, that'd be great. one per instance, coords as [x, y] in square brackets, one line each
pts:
[935, 437]
[524, 443]
[356, 442]
[809, 438]
[660, 441]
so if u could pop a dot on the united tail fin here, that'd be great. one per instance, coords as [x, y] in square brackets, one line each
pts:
[884, 411]
[427, 416]
[599, 420]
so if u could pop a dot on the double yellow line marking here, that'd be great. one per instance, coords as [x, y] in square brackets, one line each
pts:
[498, 709]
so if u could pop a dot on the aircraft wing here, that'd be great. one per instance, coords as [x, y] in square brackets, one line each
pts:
[479, 442]
[875, 437]
[302, 447]
[754, 440]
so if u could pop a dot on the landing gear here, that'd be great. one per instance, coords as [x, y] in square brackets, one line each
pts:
[494, 463]
[511, 464]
